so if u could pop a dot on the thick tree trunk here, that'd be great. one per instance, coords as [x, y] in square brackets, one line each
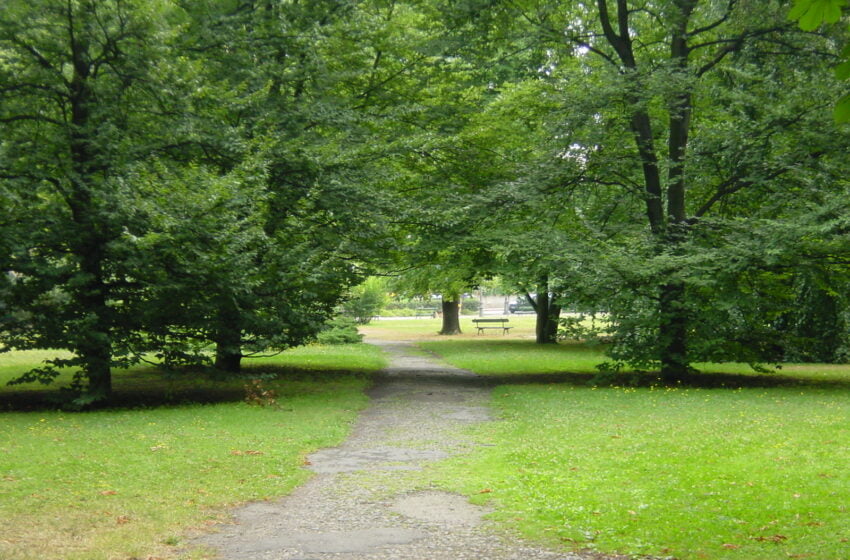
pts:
[673, 333]
[228, 338]
[451, 317]
[669, 233]
[673, 330]
[548, 315]
[226, 358]
[93, 342]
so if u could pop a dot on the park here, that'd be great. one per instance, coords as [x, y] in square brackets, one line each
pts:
[497, 279]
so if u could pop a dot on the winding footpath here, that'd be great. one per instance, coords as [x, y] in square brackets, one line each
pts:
[361, 506]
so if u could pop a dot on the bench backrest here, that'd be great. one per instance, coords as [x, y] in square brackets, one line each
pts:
[489, 320]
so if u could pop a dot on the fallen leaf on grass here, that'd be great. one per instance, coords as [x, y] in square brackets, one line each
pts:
[108, 493]
[485, 491]
[771, 538]
[732, 546]
[122, 519]
[252, 452]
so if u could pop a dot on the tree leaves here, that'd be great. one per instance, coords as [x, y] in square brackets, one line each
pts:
[842, 110]
[812, 13]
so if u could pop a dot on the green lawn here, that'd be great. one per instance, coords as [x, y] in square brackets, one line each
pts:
[427, 329]
[755, 470]
[127, 482]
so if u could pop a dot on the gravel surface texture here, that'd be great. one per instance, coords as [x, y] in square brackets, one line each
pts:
[363, 503]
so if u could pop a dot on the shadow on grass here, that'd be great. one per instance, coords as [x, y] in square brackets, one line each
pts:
[571, 351]
[728, 381]
[148, 388]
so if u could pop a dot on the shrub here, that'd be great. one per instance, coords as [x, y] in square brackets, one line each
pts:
[341, 330]
[366, 301]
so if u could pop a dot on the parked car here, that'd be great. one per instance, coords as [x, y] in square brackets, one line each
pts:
[520, 305]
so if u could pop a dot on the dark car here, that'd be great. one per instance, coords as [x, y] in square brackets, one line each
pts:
[520, 306]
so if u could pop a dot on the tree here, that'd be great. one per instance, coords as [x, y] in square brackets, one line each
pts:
[86, 97]
[626, 98]
[278, 102]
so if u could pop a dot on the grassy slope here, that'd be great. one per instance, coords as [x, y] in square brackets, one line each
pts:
[127, 482]
[753, 471]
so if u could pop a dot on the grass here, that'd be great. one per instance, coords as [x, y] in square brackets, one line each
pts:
[127, 482]
[427, 329]
[738, 467]
[516, 356]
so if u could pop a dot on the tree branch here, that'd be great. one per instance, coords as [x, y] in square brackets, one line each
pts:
[37, 118]
[730, 7]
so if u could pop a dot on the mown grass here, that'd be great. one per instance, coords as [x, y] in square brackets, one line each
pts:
[732, 465]
[428, 329]
[127, 482]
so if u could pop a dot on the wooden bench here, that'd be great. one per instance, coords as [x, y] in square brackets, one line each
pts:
[502, 324]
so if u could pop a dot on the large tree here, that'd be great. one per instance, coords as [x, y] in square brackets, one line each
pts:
[663, 142]
[87, 93]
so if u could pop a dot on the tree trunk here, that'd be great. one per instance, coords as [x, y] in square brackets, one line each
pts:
[548, 315]
[673, 333]
[669, 233]
[226, 358]
[93, 342]
[228, 338]
[673, 330]
[451, 316]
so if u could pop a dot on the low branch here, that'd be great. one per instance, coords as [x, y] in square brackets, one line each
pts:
[37, 118]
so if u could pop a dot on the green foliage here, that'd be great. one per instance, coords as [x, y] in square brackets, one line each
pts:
[162, 196]
[81, 112]
[340, 330]
[811, 14]
[842, 110]
[180, 177]
[366, 300]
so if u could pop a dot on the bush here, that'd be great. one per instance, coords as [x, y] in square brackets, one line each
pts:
[342, 330]
[366, 301]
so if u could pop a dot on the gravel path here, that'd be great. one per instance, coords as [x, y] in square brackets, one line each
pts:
[360, 505]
